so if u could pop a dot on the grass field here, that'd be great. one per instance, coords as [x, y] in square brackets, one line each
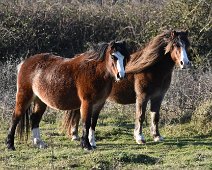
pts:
[183, 148]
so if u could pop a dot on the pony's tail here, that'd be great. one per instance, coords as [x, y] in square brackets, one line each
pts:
[23, 127]
[68, 120]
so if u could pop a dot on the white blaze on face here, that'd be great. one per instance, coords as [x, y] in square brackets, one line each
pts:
[120, 63]
[184, 57]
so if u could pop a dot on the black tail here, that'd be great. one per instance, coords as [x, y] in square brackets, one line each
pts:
[23, 127]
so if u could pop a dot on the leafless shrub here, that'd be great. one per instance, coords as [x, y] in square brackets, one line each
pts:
[67, 27]
[7, 87]
[188, 90]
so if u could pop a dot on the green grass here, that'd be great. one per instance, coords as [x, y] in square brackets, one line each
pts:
[183, 148]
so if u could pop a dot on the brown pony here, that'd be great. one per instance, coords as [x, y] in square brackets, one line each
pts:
[83, 82]
[149, 76]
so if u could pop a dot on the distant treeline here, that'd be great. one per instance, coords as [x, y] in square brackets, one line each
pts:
[68, 27]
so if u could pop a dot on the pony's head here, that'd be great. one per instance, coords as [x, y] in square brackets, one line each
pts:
[178, 45]
[118, 57]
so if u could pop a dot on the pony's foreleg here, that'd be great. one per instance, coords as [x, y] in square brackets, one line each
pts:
[155, 116]
[94, 119]
[139, 119]
[35, 117]
[23, 101]
[86, 112]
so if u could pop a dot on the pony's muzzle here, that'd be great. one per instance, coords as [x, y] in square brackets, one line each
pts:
[120, 75]
[186, 64]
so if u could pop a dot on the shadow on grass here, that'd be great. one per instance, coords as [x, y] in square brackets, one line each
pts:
[180, 142]
[137, 158]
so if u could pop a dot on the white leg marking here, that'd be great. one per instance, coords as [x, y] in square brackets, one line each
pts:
[158, 139]
[37, 139]
[74, 135]
[139, 137]
[91, 137]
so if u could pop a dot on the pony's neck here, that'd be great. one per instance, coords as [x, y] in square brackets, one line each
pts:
[104, 70]
[165, 65]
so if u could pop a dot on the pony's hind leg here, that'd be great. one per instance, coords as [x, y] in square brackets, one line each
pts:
[75, 125]
[139, 119]
[155, 116]
[23, 101]
[11, 134]
[35, 118]
[71, 120]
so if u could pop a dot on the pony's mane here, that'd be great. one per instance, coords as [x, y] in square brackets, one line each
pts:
[151, 53]
[96, 52]
[147, 56]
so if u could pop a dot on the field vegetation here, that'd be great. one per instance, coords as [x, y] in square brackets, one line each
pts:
[66, 28]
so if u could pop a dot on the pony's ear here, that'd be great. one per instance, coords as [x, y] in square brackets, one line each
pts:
[124, 43]
[112, 44]
[173, 34]
[186, 32]
[168, 48]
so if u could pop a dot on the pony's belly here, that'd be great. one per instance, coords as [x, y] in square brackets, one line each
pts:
[123, 98]
[64, 105]
[123, 91]
[58, 101]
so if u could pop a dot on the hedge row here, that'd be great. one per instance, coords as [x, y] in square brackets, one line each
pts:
[69, 28]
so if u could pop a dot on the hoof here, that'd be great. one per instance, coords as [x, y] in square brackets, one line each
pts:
[10, 148]
[39, 144]
[87, 148]
[93, 147]
[93, 144]
[140, 139]
[158, 139]
[86, 145]
[9, 143]
[140, 142]
[75, 138]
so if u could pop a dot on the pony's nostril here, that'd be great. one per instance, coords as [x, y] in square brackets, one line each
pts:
[181, 62]
[120, 76]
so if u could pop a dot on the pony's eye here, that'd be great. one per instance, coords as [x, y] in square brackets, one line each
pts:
[113, 57]
[177, 45]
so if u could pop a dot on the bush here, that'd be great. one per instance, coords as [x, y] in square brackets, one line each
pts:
[68, 28]
[188, 89]
[202, 114]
